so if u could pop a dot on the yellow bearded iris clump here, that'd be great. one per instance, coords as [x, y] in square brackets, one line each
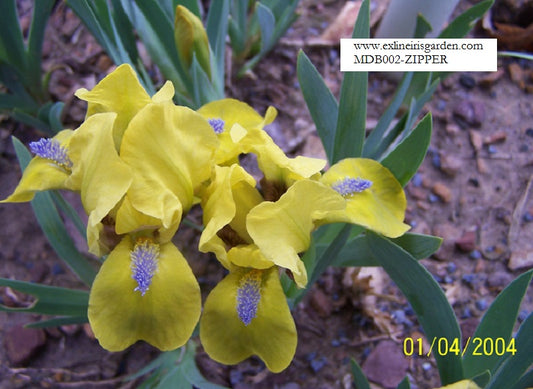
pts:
[140, 163]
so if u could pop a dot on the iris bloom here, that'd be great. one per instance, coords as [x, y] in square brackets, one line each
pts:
[374, 198]
[247, 313]
[49, 168]
[144, 290]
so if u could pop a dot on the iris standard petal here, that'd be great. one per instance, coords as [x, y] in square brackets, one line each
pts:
[130, 220]
[374, 198]
[44, 172]
[134, 299]
[282, 229]
[273, 162]
[121, 92]
[254, 297]
[248, 255]
[165, 94]
[170, 150]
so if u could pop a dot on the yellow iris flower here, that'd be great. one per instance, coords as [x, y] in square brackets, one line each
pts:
[252, 238]
[282, 229]
[141, 162]
[99, 172]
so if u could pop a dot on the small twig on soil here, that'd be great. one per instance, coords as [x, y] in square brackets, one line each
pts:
[517, 215]
[363, 342]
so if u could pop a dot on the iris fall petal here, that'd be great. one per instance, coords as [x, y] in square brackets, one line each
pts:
[230, 113]
[380, 207]
[42, 174]
[271, 333]
[165, 316]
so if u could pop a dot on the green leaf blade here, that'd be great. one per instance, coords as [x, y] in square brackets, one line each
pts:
[357, 252]
[351, 120]
[359, 379]
[320, 102]
[462, 24]
[510, 372]
[50, 300]
[408, 155]
[267, 23]
[497, 322]
[374, 139]
[11, 40]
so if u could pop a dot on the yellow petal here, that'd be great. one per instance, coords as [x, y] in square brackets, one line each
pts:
[273, 162]
[120, 92]
[248, 255]
[165, 316]
[464, 384]
[170, 149]
[129, 220]
[282, 229]
[42, 174]
[271, 334]
[381, 207]
[226, 201]
[102, 176]
[165, 94]
[233, 111]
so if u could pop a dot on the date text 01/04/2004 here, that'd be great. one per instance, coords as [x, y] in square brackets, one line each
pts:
[444, 346]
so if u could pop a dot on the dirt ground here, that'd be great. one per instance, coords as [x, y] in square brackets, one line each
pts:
[473, 190]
